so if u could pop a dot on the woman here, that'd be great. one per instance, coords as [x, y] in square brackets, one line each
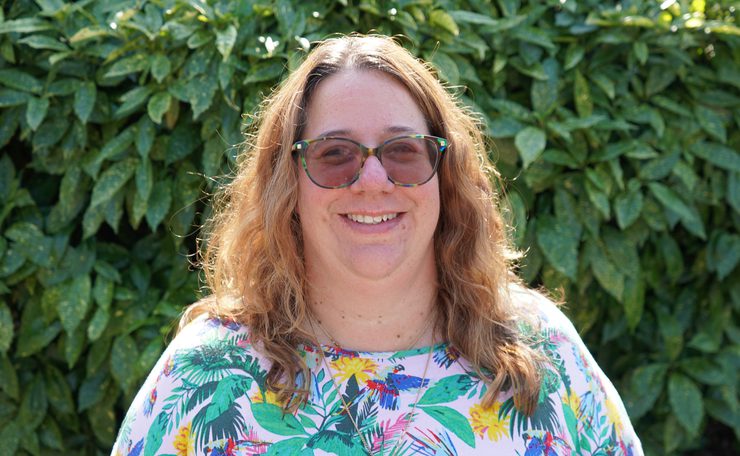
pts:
[362, 296]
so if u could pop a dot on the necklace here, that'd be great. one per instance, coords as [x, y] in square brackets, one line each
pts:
[334, 342]
[346, 406]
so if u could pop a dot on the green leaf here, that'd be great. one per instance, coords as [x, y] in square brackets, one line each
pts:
[606, 273]
[9, 98]
[605, 84]
[93, 389]
[132, 101]
[156, 433]
[725, 255]
[112, 180]
[530, 143]
[447, 389]
[19, 80]
[453, 421]
[145, 133]
[671, 201]
[159, 203]
[544, 94]
[706, 371]
[268, 70]
[646, 384]
[274, 420]
[31, 243]
[622, 251]
[686, 401]
[559, 243]
[73, 302]
[673, 260]
[571, 423]
[58, 391]
[6, 328]
[10, 433]
[536, 36]
[469, 17]
[671, 332]
[24, 25]
[441, 19]
[97, 325]
[158, 105]
[84, 101]
[149, 357]
[598, 198]
[227, 391]
[8, 378]
[33, 404]
[573, 56]
[446, 67]
[582, 96]
[640, 49]
[718, 155]
[123, 356]
[711, 122]
[74, 343]
[225, 40]
[43, 42]
[128, 65]
[634, 300]
[627, 207]
[36, 110]
[287, 446]
[160, 67]
[201, 90]
[117, 145]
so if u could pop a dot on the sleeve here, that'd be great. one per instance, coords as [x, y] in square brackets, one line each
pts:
[596, 421]
[156, 422]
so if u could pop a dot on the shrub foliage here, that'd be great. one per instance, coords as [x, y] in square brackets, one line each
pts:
[615, 127]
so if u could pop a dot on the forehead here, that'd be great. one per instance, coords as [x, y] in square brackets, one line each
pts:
[361, 103]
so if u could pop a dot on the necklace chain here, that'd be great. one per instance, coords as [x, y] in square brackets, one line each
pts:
[346, 406]
[334, 342]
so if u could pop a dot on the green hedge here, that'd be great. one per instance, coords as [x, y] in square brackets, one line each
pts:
[616, 129]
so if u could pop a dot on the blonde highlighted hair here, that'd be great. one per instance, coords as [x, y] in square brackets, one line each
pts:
[253, 260]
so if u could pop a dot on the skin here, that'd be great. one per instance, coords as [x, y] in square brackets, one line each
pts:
[373, 286]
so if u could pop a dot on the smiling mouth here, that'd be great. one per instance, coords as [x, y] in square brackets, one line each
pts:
[371, 219]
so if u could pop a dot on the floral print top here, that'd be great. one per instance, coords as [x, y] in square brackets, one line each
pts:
[207, 396]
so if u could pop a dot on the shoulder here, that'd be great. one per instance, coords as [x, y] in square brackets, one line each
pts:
[592, 410]
[540, 313]
[205, 350]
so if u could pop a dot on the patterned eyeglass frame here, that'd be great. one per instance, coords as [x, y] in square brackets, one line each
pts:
[301, 147]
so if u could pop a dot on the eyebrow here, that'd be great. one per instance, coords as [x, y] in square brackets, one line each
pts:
[388, 130]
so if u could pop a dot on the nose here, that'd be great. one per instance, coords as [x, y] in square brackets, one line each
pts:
[373, 177]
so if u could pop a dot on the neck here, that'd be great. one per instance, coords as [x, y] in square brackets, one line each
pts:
[389, 314]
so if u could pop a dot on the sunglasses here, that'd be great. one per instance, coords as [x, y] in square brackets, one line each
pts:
[334, 162]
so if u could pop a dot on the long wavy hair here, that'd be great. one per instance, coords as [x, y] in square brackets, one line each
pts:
[253, 260]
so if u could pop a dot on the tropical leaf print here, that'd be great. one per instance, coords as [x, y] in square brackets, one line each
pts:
[275, 420]
[447, 389]
[452, 420]
[209, 398]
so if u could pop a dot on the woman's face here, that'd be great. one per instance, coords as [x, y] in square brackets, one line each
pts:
[338, 231]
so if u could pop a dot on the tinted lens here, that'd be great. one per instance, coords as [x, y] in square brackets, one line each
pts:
[410, 161]
[333, 162]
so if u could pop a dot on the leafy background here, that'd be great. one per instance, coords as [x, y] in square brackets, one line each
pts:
[615, 126]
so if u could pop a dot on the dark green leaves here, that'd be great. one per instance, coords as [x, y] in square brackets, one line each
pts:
[686, 401]
[530, 142]
[124, 354]
[559, 243]
[84, 100]
[6, 328]
[111, 181]
[73, 301]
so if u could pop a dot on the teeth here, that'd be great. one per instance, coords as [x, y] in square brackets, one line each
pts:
[371, 220]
